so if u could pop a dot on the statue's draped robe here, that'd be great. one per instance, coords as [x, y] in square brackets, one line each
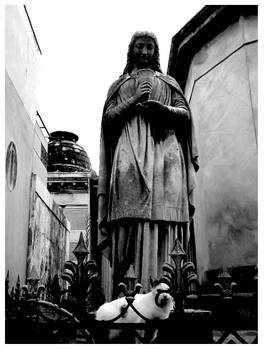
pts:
[147, 163]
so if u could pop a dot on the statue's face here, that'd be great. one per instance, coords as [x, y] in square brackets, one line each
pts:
[143, 51]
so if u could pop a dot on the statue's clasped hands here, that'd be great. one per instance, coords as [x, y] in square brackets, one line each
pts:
[152, 106]
[142, 92]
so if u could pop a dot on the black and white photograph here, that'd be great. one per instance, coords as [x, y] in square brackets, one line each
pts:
[131, 172]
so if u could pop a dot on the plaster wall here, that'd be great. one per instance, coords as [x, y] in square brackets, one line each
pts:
[22, 57]
[20, 130]
[66, 199]
[78, 216]
[21, 75]
[222, 91]
[76, 209]
[48, 234]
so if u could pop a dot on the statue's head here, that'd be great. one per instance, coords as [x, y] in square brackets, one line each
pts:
[143, 52]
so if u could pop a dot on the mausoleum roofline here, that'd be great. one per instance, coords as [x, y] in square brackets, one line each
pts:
[204, 26]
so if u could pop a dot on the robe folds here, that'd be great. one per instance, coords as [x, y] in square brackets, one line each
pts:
[148, 160]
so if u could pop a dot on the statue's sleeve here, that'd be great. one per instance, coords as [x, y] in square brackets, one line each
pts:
[115, 112]
[178, 108]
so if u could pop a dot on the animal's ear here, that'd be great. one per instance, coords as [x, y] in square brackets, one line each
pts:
[138, 287]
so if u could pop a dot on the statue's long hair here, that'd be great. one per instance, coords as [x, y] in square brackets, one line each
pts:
[155, 65]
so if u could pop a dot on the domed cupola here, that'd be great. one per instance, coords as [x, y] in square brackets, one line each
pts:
[65, 155]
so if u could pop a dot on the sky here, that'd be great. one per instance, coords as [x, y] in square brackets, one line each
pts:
[84, 46]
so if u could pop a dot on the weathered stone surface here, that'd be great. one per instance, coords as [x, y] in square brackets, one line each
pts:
[22, 68]
[21, 132]
[224, 105]
[48, 246]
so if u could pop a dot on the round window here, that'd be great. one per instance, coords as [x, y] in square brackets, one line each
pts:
[11, 166]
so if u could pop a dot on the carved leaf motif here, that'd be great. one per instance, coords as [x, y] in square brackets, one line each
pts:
[168, 268]
[219, 287]
[187, 267]
[68, 277]
[72, 266]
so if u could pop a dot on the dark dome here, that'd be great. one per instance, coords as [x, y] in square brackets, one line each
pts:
[64, 135]
[65, 155]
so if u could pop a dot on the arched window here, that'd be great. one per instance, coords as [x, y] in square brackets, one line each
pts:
[11, 166]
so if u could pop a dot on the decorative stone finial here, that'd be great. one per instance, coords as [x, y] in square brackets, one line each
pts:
[81, 250]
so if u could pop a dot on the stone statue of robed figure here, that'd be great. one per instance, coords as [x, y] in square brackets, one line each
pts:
[148, 160]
